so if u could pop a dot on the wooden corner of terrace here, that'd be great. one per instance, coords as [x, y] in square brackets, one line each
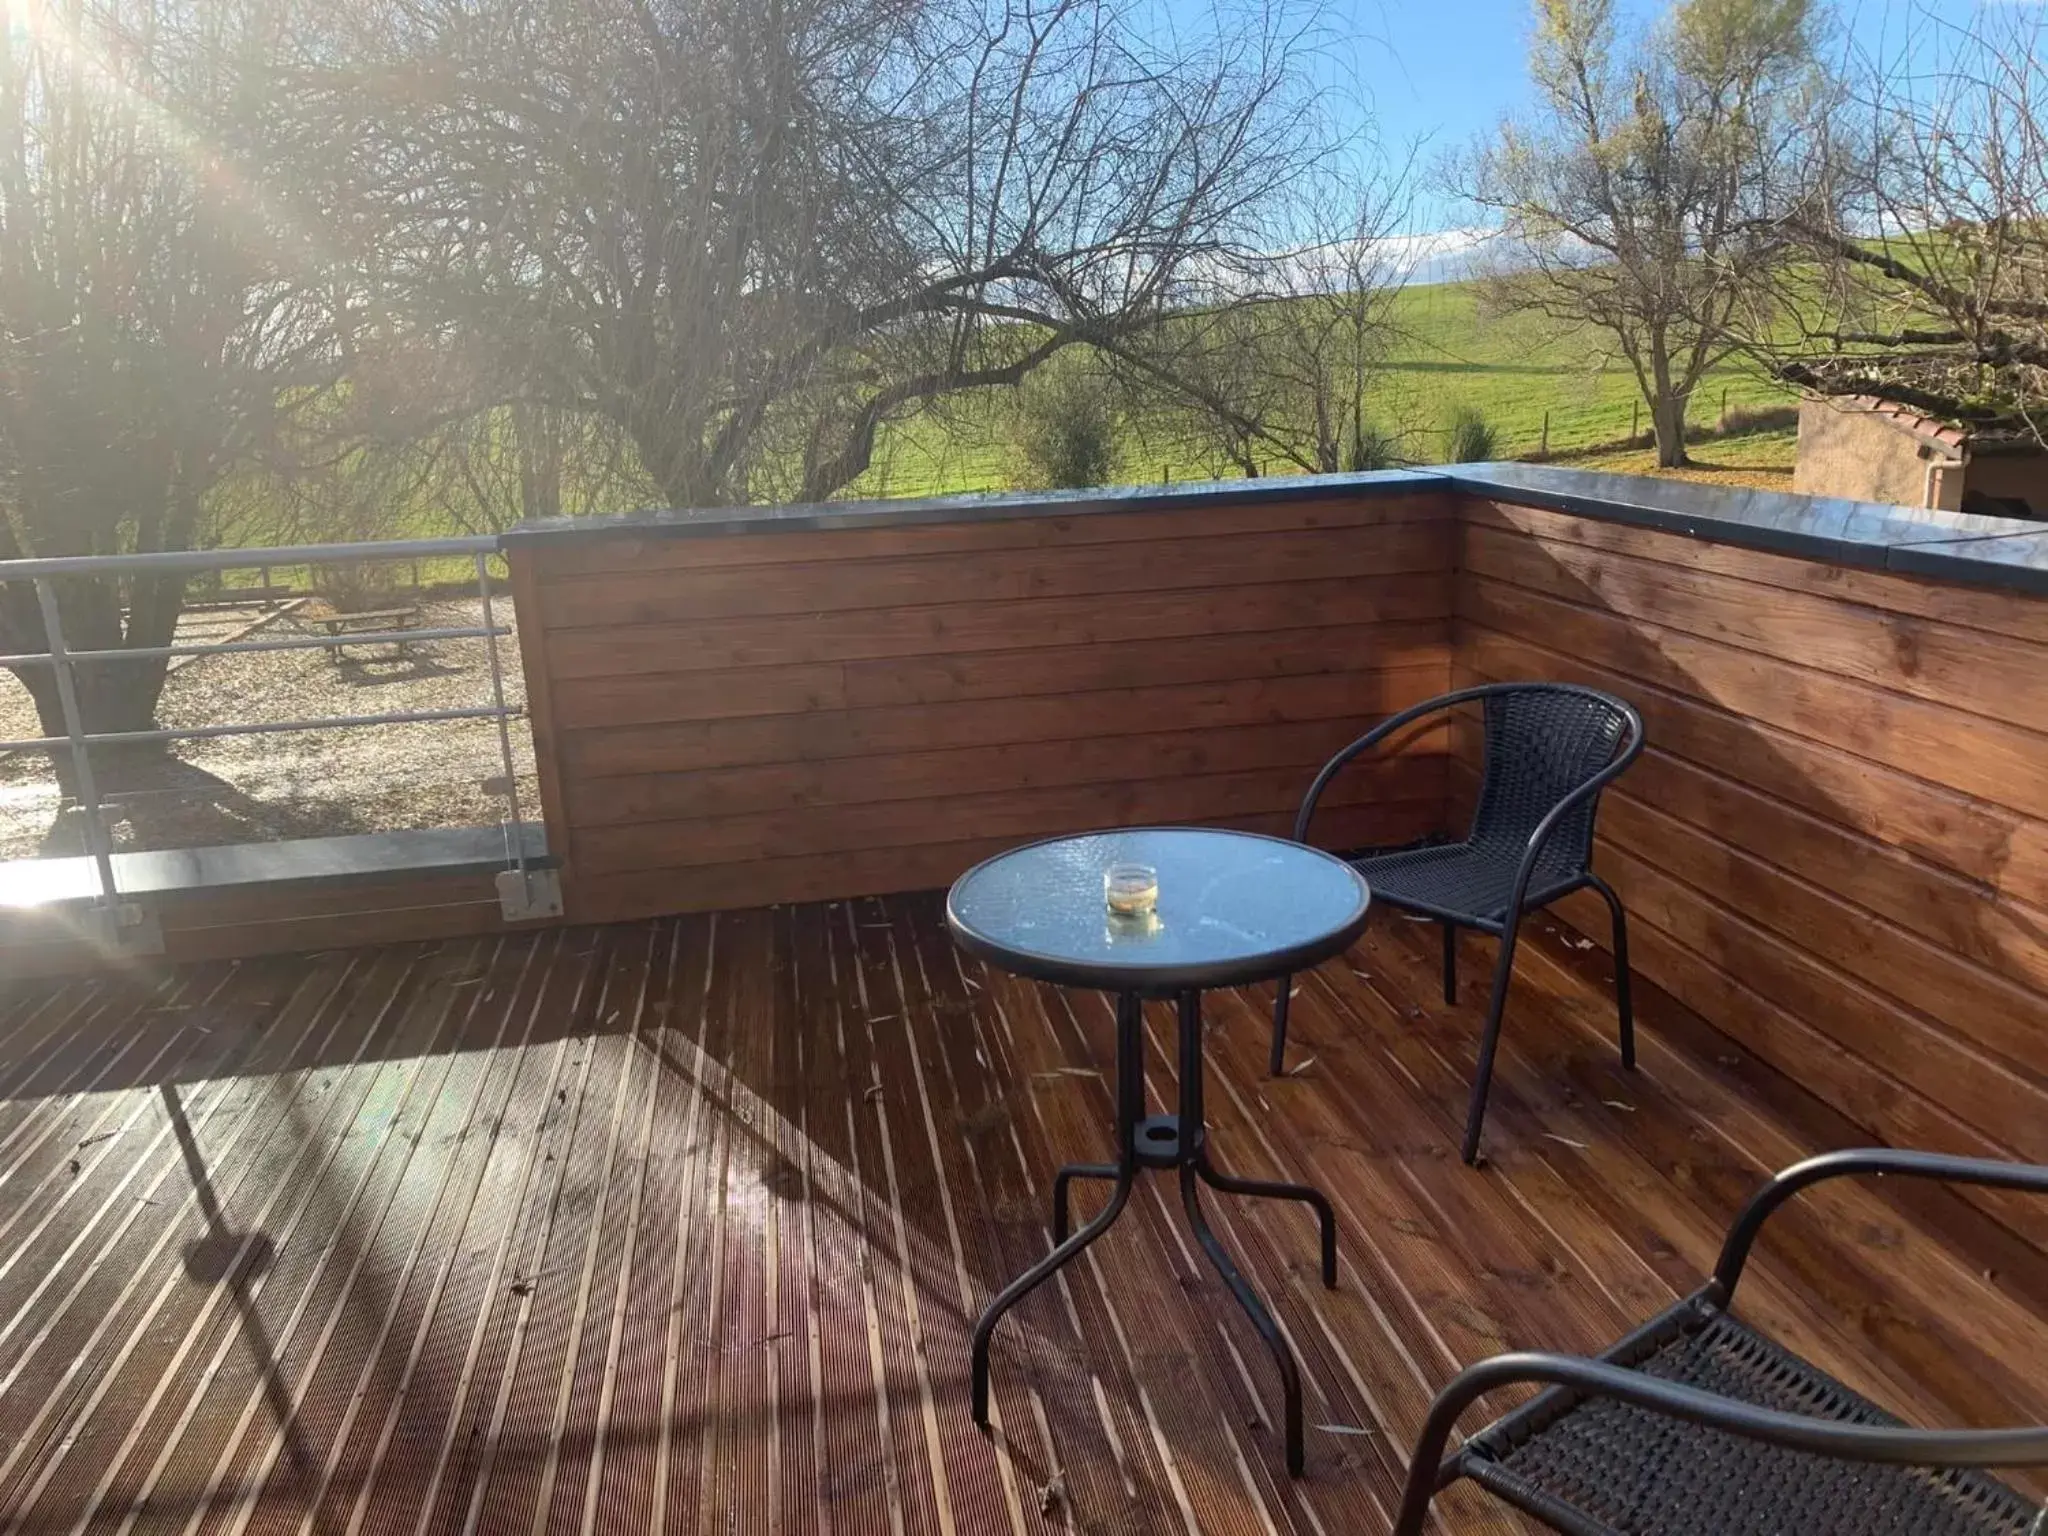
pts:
[363, 1207]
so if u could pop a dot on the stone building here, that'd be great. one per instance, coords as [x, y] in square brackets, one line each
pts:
[1875, 450]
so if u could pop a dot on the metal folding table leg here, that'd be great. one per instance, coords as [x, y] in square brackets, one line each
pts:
[1130, 1109]
[1195, 1167]
[1065, 1177]
[1268, 1189]
[1255, 1309]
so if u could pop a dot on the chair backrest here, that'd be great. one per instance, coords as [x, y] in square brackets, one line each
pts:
[1544, 740]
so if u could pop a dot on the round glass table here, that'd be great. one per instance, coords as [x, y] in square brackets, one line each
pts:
[1231, 908]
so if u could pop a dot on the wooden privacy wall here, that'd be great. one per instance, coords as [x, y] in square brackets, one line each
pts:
[740, 719]
[1836, 846]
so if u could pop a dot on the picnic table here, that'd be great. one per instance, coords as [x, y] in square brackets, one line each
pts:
[379, 622]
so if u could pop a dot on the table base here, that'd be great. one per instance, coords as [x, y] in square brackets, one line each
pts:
[1164, 1141]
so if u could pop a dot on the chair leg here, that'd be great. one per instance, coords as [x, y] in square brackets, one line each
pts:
[1622, 1002]
[1450, 965]
[1489, 1042]
[1280, 1001]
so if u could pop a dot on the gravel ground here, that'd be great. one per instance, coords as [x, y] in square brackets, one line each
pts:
[302, 784]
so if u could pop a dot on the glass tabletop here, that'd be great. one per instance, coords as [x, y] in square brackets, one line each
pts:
[1233, 907]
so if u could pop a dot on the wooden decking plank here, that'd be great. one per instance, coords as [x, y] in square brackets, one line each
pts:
[1163, 1301]
[237, 1194]
[447, 1372]
[1073, 1331]
[1686, 1185]
[64, 1163]
[51, 1345]
[548, 1301]
[1052, 1427]
[256, 1358]
[329, 1366]
[684, 1225]
[858, 1461]
[1842, 1251]
[920, 1479]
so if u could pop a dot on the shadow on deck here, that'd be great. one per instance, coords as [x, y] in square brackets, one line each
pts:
[656, 1226]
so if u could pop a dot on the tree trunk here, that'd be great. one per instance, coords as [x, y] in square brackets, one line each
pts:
[1667, 406]
[1667, 420]
[113, 696]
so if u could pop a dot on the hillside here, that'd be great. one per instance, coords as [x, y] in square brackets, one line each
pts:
[1448, 354]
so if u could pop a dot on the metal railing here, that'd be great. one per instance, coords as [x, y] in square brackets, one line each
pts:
[78, 742]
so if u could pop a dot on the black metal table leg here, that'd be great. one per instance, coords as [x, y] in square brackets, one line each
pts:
[1165, 1141]
[1255, 1309]
[1267, 1189]
[1130, 1109]
[1194, 1166]
[1062, 1179]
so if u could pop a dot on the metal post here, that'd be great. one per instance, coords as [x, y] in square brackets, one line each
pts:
[97, 843]
[483, 586]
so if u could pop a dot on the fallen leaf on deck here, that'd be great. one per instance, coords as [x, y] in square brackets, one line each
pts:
[1619, 1104]
[1564, 1140]
[1301, 1066]
[1052, 1494]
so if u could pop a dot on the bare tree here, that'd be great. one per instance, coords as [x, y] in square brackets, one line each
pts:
[750, 233]
[1930, 280]
[154, 325]
[1277, 370]
[1647, 200]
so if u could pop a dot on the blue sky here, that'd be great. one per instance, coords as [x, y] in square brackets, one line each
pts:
[1442, 71]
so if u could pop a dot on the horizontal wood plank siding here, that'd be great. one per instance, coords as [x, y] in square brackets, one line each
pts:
[1836, 847]
[796, 715]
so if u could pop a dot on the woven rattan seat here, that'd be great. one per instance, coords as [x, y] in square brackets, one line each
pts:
[1548, 751]
[1470, 884]
[1636, 1471]
[1698, 1425]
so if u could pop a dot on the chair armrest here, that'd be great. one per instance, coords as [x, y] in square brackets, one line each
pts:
[1373, 738]
[1596, 1378]
[1865, 1160]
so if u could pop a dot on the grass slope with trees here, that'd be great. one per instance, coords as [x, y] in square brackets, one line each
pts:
[1446, 351]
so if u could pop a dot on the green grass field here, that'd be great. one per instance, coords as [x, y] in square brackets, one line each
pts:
[1514, 370]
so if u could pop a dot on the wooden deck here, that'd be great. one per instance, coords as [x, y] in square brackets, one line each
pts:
[680, 1226]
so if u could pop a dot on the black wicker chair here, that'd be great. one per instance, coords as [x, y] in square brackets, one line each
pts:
[1550, 749]
[1697, 1423]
